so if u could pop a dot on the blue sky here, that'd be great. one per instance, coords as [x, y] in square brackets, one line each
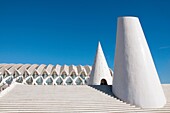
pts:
[67, 31]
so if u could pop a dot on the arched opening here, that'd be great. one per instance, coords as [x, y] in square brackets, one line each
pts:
[103, 82]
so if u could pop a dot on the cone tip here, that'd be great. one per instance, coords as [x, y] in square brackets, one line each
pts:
[127, 17]
[99, 43]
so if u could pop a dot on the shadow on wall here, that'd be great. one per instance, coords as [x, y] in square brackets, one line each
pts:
[103, 88]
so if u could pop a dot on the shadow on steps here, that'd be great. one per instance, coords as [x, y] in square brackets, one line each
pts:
[103, 88]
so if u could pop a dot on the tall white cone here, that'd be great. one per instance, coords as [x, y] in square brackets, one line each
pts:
[100, 69]
[135, 77]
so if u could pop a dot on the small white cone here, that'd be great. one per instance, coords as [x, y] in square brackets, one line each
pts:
[135, 77]
[100, 69]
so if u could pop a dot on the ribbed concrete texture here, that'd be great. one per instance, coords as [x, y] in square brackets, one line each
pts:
[79, 98]
[100, 70]
[135, 77]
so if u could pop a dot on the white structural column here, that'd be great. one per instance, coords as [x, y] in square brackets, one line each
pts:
[135, 77]
[100, 69]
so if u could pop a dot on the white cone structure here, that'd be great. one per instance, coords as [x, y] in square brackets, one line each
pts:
[100, 70]
[135, 77]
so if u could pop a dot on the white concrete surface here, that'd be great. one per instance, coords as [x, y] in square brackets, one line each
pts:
[135, 77]
[8, 89]
[69, 99]
[100, 69]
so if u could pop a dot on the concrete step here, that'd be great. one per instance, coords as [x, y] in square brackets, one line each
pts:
[38, 99]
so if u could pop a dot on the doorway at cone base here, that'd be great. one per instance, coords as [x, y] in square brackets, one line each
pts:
[103, 82]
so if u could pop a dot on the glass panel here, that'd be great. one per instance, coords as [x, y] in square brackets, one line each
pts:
[82, 76]
[19, 80]
[54, 75]
[44, 75]
[79, 81]
[25, 75]
[39, 81]
[59, 81]
[49, 81]
[35, 75]
[63, 76]
[15, 75]
[73, 76]
[9, 80]
[29, 81]
[6, 75]
[69, 81]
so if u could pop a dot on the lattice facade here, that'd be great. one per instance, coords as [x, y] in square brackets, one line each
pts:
[45, 74]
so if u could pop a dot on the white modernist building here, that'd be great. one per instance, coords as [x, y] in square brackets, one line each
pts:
[45, 74]
[135, 80]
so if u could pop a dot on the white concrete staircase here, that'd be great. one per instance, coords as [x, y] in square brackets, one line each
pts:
[79, 98]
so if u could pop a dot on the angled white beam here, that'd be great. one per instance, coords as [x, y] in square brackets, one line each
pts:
[64, 68]
[72, 69]
[81, 69]
[49, 68]
[135, 77]
[23, 68]
[40, 69]
[5, 67]
[32, 68]
[88, 69]
[14, 68]
[56, 69]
